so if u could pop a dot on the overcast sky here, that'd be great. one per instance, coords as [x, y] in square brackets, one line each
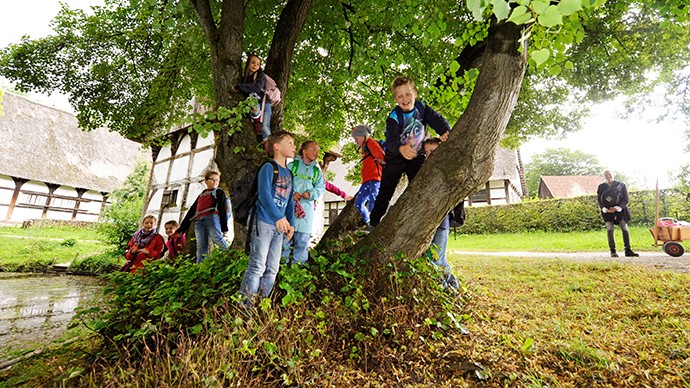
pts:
[640, 149]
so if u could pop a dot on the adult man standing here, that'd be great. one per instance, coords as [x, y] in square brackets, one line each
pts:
[613, 201]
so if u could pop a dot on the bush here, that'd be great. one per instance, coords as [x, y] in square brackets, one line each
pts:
[570, 214]
[122, 218]
[337, 319]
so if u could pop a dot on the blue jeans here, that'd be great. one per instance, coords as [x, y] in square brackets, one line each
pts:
[440, 242]
[301, 251]
[205, 227]
[366, 196]
[264, 261]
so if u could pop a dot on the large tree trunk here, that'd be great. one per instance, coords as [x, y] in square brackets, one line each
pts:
[226, 43]
[462, 163]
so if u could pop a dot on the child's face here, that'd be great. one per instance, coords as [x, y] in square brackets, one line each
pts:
[147, 224]
[254, 64]
[285, 147]
[311, 153]
[429, 148]
[212, 181]
[170, 229]
[359, 140]
[405, 96]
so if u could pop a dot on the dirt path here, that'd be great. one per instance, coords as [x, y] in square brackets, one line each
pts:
[658, 260]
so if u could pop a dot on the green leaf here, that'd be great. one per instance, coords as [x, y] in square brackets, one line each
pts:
[540, 56]
[540, 6]
[454, 67]
[569, 65]
[555, 70]
[552, 17]
[569, 7]
[520, 15]
[501, 9]
[477, 8]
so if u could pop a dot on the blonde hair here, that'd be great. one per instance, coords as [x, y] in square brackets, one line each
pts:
[400, 81]
[275, 138]
[146, 217]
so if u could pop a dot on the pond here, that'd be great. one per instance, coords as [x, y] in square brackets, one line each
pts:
[36, 309]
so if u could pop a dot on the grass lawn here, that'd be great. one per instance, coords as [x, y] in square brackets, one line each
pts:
[41, 246]
[592, 241]
[539, 322]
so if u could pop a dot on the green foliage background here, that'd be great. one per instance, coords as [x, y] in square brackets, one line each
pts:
[123, 218]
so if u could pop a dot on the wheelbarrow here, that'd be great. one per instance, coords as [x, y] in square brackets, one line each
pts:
[669, 233]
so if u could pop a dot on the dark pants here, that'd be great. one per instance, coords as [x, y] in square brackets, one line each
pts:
[393, 170]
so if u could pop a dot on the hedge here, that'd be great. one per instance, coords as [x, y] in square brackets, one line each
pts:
[571, 214]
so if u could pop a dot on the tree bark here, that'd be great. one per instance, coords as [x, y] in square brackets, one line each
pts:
[226, 45]
[462, 163]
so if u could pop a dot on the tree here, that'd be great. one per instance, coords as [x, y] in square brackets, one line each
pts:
[135, 64]
[559, 162]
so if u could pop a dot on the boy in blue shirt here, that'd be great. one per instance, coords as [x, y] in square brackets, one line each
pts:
[405, 132]
[273, 219]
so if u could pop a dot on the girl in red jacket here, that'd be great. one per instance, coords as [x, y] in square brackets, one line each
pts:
[146, 245]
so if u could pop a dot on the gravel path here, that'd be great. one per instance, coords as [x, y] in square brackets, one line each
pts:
[658, 260]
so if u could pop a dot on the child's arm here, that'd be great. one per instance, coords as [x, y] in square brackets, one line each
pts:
[221, 201]
[155, 247]
[188, 218]
[256, 87]
[392, 136]
[437, 122]
[376, 151]
[319, 187]
[265, 193]
[330, 187]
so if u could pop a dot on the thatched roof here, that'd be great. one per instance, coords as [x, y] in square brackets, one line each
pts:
[569, 186]
[44, 144]
[506, 166]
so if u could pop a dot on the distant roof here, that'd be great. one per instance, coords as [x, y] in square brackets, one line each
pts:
[569, 186]
[45, 144]
[506, 165]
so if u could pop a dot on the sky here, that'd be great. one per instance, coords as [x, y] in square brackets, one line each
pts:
[643, 151]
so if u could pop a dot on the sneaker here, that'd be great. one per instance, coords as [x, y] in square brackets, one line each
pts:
[614, 254]
[630, 253]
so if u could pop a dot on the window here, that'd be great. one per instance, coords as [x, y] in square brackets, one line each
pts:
[169, 198]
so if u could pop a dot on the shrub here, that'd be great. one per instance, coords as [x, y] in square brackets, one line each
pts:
[336, 319]
[570, 214]
[122, 218]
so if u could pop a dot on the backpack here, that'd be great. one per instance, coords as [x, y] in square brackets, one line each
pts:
[313, 179]
[246, 193]
[457, 215]
[612, 196]
[271, 91]
[368, 153]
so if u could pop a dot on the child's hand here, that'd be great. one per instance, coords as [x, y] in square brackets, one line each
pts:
[380, 161]
[297, 196]
[306, 195]
[349, 198]
[291, 232]
[283, 226]
[407, 152]
[444, 137]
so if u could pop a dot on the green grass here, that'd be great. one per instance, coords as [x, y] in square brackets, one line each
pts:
[37, 247]
[592, 241]
[575, 324]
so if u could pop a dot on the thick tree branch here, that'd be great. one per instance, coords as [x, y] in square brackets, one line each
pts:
[208, 24]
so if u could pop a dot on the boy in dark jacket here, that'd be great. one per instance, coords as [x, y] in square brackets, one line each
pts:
[405, 133]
